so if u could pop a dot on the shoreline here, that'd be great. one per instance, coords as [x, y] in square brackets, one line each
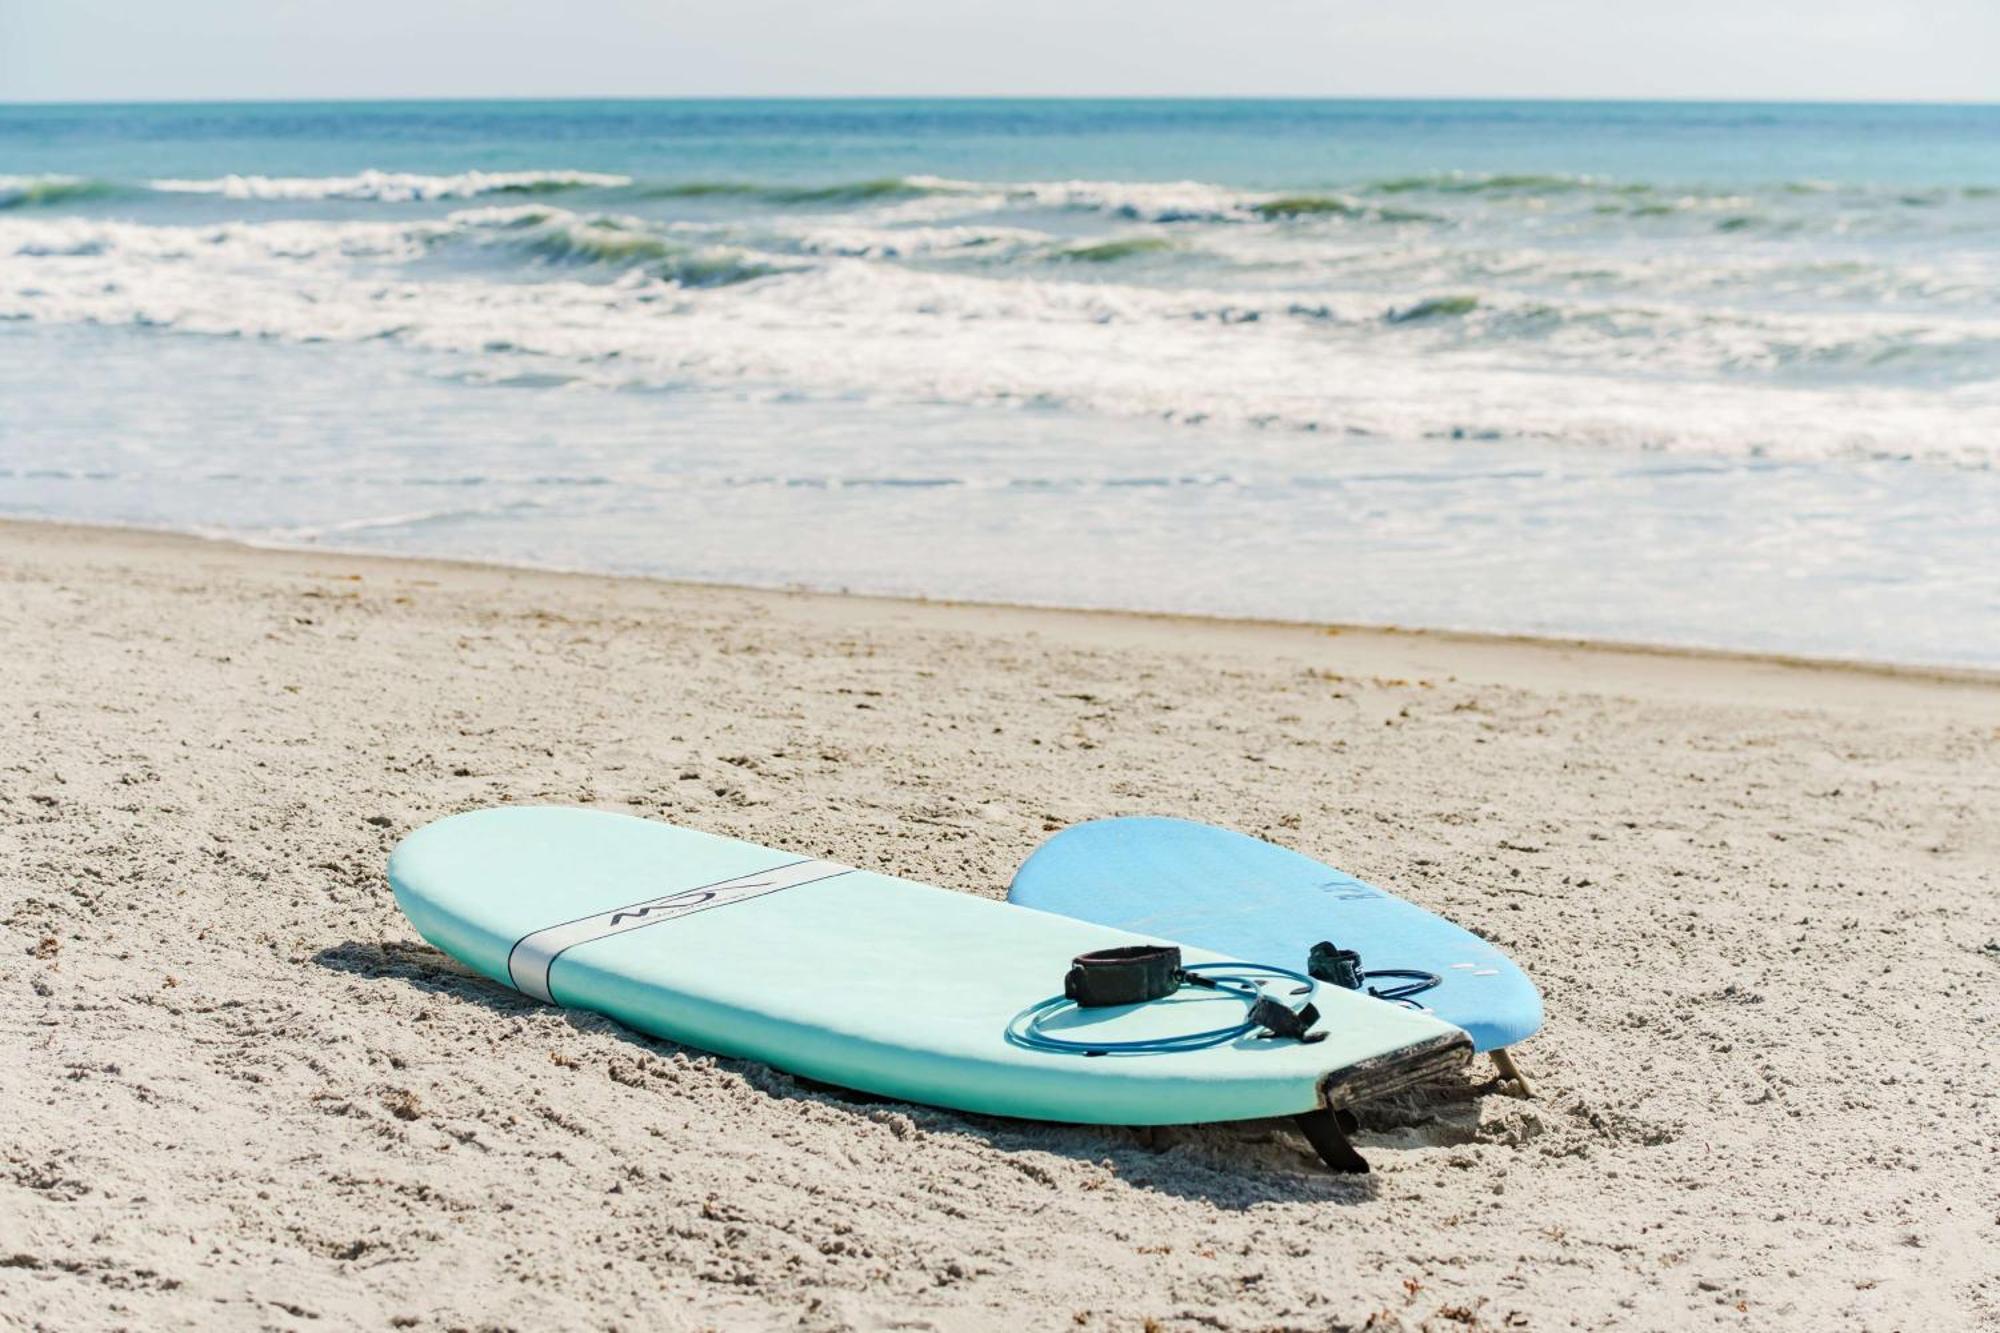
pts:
[1940, 673]
[1756, 897]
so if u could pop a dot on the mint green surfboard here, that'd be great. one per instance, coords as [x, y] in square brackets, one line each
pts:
[861, 980]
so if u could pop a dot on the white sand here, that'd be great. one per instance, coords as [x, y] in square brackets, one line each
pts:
[237, 1091]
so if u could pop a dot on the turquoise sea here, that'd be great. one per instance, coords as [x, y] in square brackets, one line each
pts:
[1725, 375]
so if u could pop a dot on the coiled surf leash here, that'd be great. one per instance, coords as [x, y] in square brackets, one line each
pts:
[1138, 973]
[1342, 967]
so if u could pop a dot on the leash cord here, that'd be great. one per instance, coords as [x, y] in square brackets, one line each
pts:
[1415, 983]
[1243, 980]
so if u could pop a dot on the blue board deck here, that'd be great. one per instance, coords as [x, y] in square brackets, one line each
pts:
[1176, 880]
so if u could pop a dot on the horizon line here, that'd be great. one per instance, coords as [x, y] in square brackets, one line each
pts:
[615, 98]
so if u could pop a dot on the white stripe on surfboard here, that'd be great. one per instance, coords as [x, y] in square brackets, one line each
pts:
[533, 955]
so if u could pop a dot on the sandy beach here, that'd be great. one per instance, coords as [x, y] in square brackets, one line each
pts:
[1759, 897]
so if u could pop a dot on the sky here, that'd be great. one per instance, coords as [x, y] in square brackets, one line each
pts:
[1837, 50]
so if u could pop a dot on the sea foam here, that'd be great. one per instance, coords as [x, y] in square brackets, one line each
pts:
[619, 301]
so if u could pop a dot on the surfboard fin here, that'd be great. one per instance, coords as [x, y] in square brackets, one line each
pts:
[1327, 1131]
[1503, 1060]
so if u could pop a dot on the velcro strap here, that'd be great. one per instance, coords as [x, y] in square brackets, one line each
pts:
[1132, 974]
[1281, 1020]
[1330, 963]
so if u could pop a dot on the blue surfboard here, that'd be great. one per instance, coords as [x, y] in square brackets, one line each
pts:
[1173, 879]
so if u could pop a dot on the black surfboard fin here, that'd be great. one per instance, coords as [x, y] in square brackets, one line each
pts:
[1327, 1131]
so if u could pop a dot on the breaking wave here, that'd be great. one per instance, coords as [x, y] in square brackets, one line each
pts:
[559, 238]
[851, 192]
[1411, 205]
[1457, 182]
[1121, 247]
[1434, 307]
[1785, 318]
[620, 301]
[394, 187]
[51, 191]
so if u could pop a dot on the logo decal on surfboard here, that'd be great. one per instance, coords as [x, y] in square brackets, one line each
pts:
[1349, 890]
[533, 955]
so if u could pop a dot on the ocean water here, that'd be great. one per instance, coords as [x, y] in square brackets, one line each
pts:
[1697, 374]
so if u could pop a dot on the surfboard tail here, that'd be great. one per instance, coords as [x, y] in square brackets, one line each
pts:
[1327, 1129]
[1381, 1075]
